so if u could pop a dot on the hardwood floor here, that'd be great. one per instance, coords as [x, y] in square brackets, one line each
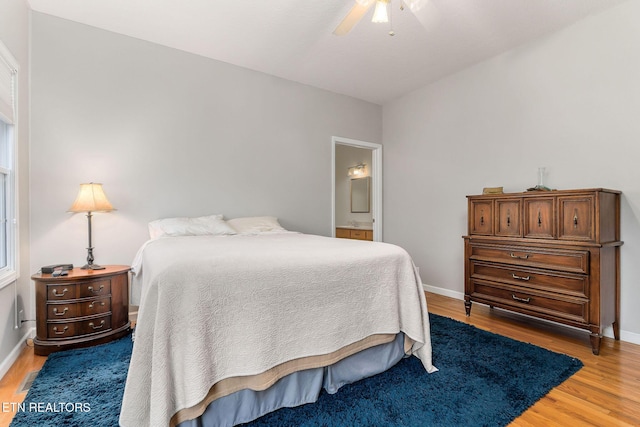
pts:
[605, 392]
[27, 362]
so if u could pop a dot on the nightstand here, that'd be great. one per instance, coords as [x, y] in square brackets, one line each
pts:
[84, 308]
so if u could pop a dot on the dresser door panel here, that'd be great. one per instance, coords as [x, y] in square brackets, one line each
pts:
[576, 218]
[508, 218]
[538, 218]
[481, 221]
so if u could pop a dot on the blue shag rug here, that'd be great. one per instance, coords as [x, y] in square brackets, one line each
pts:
[484, 380]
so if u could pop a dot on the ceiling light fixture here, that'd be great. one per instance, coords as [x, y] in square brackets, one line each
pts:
[380, 13]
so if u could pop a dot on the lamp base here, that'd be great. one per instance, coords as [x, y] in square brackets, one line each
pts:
[92, 267]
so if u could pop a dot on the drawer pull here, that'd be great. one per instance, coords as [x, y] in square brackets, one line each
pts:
[56, 294]
[526, 279]
[90, 288]
[96, 327]
[55, 311]
[575, 219]
[64, 330]
[512, 255]
[92, 305]
[524, 300]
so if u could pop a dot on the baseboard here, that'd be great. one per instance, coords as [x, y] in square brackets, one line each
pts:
[444, 292]
[630, 337]
[13, 356]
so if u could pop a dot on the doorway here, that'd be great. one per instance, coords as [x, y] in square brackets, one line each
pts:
[369, 166]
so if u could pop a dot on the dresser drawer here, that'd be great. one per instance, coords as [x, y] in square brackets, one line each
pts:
[563, 283]
[553, 259]
[575, 310]
[78, 328]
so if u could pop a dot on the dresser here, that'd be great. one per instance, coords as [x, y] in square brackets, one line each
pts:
[354, 233]
[553, 255]
[84, 308]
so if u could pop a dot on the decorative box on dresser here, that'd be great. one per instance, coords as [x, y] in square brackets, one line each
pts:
[84, 308]
[554, 255]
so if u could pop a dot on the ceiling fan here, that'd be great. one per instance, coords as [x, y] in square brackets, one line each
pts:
[380, 14]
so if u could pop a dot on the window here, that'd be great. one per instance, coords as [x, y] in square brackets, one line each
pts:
[8, 178]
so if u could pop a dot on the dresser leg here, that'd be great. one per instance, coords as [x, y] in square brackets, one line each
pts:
[616, 331]
[467, 307]
[595, 343]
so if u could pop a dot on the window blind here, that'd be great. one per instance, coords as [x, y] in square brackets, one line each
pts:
[7, 87]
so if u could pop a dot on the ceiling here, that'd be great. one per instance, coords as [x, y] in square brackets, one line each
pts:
[293, 39]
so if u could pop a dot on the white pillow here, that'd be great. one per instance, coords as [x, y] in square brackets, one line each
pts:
[204, 225]
[256, 225]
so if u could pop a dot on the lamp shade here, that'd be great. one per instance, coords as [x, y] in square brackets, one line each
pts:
[91, 198]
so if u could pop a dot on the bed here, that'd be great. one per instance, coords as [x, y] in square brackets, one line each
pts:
[237, 323]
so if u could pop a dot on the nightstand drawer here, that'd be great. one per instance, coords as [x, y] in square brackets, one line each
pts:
[98, 306]
[95, 288]
[61, 292]
[62, 311]
[93, 326]
[61, 330]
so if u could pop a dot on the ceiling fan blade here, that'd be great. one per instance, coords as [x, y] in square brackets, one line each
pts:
[353, 17]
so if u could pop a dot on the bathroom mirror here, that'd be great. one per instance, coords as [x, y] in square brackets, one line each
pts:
[360, 195]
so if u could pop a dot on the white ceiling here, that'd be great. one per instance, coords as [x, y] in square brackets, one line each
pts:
[293, 39]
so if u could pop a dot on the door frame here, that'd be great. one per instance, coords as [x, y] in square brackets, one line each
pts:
[376, 182]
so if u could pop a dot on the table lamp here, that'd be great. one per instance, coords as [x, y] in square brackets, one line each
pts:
[91, 198]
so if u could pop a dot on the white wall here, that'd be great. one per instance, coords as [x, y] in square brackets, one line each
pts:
[169, 134]
[14, 33]
[347, 156]
[569, 102]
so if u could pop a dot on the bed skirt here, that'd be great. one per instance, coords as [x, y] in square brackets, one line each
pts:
[297, 388]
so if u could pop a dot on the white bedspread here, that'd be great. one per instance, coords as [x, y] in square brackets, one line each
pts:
[224, 306]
